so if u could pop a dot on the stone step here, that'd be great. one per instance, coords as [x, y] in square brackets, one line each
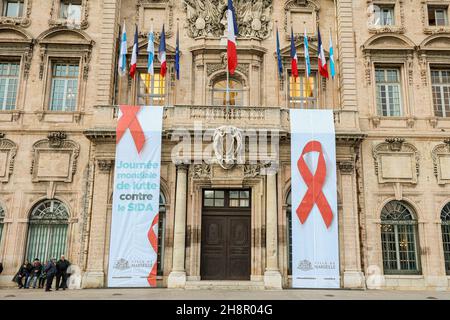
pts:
[224, 285]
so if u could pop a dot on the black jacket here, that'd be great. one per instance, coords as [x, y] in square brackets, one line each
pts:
[37, 270]
[62, 266]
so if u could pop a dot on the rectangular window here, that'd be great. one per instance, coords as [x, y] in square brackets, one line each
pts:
[440, 81]
[302, 93]
[151, 89]
[384, 16]
[70, 10]
[13, 8]
[388, 93]
[240, 199]
[213, 198]
[9, 82]
[64, 87]
[437, 16]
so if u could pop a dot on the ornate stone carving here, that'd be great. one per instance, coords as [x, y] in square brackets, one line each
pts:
[207, 18]
[441, 162]
[346, 167]
[56, 21]
[395, 144]
[254, 170]
[24, 20]
[8, 151]
[155, 5]
[396, 161]
[54, 159]
[228, 146]
[105, 165]
[423, 63]
[56, 139]
[305, 6]
[201, 171]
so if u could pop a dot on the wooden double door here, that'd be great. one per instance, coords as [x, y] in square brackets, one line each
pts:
[226, 239]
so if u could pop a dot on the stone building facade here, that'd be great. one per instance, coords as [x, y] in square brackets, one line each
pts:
[59, 91]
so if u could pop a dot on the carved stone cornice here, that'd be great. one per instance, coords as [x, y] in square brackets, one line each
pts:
[395, 143]
[352, 139]
[101, 135]
[105, 165]
[56, 139]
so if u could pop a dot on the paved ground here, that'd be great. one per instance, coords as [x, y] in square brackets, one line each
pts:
[166, 294]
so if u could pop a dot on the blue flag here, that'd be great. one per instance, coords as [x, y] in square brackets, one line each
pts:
[177, 56]
[280, 64]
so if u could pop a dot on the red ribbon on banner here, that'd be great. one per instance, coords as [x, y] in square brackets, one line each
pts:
[130, 121]
[153, 239]
[314, 194]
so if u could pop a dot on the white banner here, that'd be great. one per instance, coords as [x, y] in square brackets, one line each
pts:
[315, 240]
[134, 226]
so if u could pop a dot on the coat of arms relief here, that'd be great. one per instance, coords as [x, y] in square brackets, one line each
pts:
[208, 18]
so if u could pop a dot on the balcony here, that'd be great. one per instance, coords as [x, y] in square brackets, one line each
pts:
[248, 117]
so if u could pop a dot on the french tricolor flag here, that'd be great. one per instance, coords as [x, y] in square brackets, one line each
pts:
[134, 55]
[322, 60]
[162, 53]
[294, 58]
[232, 33]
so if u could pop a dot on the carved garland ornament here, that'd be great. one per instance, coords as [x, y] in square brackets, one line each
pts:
[207, 18]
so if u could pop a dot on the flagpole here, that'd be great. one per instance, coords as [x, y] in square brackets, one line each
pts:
[332, 77]
[276, 67]
[176, 82]
[306, 69]
[227, 95]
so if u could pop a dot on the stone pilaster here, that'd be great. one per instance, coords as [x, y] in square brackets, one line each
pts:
[177, 277]
[94, 276]
[272, 275]
[353, 276]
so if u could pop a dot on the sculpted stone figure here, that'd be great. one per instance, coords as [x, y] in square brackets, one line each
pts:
[207, 18]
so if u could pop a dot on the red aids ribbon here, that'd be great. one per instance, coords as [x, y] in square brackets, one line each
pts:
[130, 121]
[314, 194]
[153, 239]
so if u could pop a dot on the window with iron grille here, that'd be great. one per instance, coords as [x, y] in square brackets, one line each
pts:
[388, 87]
[445, 219]
[151, 89]
[440, 81]
[399, 239]
[64, 86]
[9, 82]
[302, 93]
[47, 232]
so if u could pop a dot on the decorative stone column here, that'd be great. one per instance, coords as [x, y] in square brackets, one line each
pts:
[177, 277]
[94, 277]
[352, 273]
[272, 275]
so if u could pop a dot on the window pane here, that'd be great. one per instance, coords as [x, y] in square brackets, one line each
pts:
[64, 91]
[234, 194]
[388, 93]
[13, 9]
[209, 194]
[235, 89]
[9, 80]
[302, 93]
[151, 89]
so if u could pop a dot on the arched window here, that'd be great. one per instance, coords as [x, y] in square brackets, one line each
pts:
[47, 232]
[161, 233]
[399, 239]
[289, 232]
[2, 217]
[236, 92]
[445, 218]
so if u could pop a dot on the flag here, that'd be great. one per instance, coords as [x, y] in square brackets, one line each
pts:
[294, 58]
[332, 66]
[280, 64]
[134, 55]
[322, 61]
[177, 56]
[162, 53]
[307, 66]
[151, 52]
[123, 52]
[232, 33]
